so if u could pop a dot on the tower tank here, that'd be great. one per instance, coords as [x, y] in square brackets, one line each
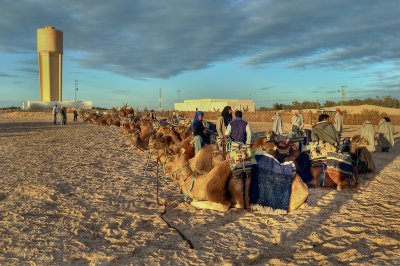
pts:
[50, 51]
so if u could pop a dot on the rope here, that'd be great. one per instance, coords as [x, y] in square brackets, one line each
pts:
[186, 197]
[165, 210]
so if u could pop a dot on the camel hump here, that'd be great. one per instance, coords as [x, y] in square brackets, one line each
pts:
[202, 162]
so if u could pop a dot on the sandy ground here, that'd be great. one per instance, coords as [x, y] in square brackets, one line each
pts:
[76, 194]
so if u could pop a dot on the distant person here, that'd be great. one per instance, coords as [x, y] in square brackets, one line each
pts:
[175, 118]
[296, 123]
[63, 116]
[277, 128]
[199, 131]
[367, 132]
[222, 123]
[338, 121]
[152, 115]
[75, 115]
[55, 109]
[386, 132]
[239, 130]
[325, 131]
[302, 119]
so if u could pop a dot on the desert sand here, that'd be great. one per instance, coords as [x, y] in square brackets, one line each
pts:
[77, 194]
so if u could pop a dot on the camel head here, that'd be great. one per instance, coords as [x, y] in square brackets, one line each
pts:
[176, 166]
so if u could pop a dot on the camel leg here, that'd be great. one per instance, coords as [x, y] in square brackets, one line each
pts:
[204, 204]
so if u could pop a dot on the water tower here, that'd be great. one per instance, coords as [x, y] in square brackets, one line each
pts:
[50, 51]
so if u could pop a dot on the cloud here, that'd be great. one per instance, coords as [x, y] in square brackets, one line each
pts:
[120, 91]
[266, 88]
[150, 38]
[28, 69]
[5, 75]
[18, 82]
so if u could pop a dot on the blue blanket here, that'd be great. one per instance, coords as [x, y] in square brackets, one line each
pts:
[271, 182]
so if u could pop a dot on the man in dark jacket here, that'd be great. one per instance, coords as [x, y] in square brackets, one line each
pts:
[239, 130]
[324, 130]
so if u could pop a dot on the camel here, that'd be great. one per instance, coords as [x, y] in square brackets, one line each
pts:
[207, 176]
[207, 190]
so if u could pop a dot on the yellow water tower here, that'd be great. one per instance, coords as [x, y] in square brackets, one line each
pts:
[50, 51]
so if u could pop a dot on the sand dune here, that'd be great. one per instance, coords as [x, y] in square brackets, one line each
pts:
[77, 194]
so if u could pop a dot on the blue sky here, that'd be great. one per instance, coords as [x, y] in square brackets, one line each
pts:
[270, 51]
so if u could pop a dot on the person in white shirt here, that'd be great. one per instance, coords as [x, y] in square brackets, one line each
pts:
[55, 111]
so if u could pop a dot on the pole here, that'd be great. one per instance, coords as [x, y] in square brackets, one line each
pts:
[160, 100]
[76, 89]
[342, 94]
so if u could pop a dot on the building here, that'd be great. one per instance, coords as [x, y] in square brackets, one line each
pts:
[50, 53]
[215, 105]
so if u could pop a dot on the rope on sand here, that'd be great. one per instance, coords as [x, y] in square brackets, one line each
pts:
[165, 207]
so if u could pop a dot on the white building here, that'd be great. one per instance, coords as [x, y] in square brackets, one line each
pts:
[28, 105]
[215, 105]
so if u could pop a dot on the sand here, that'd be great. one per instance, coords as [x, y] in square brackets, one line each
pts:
[76, 194]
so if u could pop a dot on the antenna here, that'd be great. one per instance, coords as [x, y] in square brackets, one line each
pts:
[342, 93]
[160, 100]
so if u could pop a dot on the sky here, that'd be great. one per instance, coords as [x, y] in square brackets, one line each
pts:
[124, 51]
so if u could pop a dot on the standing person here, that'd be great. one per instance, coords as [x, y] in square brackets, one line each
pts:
[222, 123]
[278, 124]
[324, 130]
[338, 121]
[301, 119]
[63, 116]
[75, 115]
[55, 109]
[199, 131]
[152, 115]
[386, 132]
[367, 132]
[239, 130]
[296, 123]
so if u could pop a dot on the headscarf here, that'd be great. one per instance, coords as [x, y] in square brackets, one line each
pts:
[226, 115]
[196, 117]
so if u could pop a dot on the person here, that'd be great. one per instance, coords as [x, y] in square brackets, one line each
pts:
[199, 131]
[75, 115]
[222, 123]
[239, 130]
[55, 114]
[278, 124]
[296, 123]
[324, 130]
[338, 121]
[301, 119]
[386, 132]
[63, 116]
[367, 132]
[152, 115]
[175, 119]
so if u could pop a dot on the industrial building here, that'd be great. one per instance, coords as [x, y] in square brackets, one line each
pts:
[215, 105]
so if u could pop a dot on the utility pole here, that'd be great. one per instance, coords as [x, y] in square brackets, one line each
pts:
[76, 88]
[342, 93]
[160, 100]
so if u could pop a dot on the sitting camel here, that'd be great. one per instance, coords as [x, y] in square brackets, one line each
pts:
[209, 181]
[207, 190]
